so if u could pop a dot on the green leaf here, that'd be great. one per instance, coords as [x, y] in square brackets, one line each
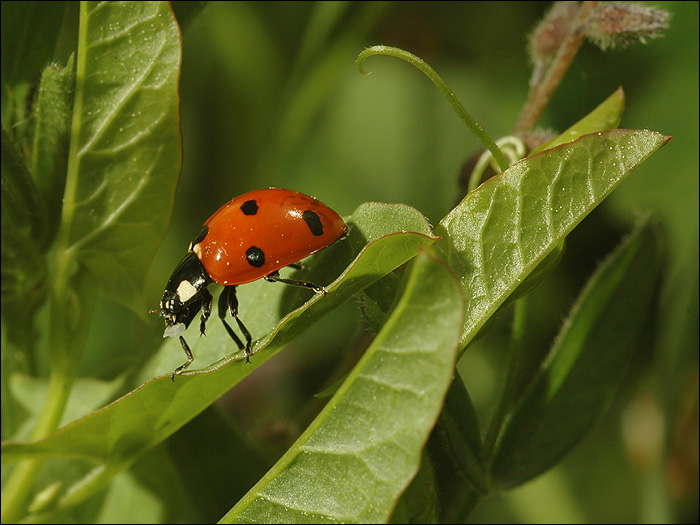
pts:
[501, 231]
[360, 453]
[606, 116]
[125, 150]
[536, 276]
[376, 300]
[585, 366]
[120, 432]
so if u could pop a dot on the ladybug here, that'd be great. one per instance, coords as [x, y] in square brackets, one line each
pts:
[249, 238]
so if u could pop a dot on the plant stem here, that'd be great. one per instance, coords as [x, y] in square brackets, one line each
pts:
[21, 483]
[72, 297]
[542, 92]
[66, 350]
[458, 108]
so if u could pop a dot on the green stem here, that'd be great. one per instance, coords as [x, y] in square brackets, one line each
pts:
[542, 92]
[458, 108]
[66, 350]
[72, 297]
[21, 483]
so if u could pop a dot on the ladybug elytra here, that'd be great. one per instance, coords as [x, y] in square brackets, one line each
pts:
[250, 237]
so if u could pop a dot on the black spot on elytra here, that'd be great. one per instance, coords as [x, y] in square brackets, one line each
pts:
[249, 207]
[313, 221]
[255, 256]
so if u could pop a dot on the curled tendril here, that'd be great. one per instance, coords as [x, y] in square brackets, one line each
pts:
[458, 108]
[513, 148]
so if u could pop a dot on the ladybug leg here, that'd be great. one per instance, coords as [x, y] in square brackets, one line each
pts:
[184, 366]
[185, 318]
[228, 300]
[296, 266]
[224, 301]
[275, 278]
[206, 310]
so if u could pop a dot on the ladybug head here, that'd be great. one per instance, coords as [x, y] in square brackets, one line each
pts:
[184, 295]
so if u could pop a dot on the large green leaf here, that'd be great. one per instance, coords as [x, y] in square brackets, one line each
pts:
[585, 366]
[502, 230]
[357, 457]
[125, 150]
[117, 434]
[606, 116]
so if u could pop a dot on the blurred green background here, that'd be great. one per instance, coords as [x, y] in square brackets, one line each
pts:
[271, 96]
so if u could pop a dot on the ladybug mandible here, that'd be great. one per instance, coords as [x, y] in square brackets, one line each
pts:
[248, 238]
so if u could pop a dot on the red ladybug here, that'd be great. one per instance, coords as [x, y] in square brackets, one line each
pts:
[248, 238]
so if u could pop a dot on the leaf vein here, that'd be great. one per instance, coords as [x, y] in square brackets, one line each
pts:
[126, 96]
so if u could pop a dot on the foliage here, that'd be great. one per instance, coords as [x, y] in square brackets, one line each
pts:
[91, 155]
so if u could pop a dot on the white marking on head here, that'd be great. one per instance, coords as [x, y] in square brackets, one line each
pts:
[185, 291]
[197, 249]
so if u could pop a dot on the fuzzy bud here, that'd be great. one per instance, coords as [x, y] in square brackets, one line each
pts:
[619, 24]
